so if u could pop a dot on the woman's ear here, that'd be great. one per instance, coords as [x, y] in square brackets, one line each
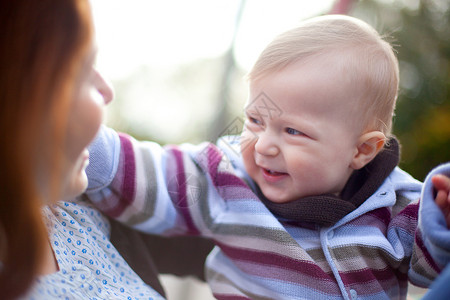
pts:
[369, 145]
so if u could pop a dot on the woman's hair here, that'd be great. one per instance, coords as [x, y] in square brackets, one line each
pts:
[43, 45]
[351, 46]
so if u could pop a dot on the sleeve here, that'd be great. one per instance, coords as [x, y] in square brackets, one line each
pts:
[103, 159]
[402, 226]
[432, 236]
[440, 289]
[159, 190]
[150, 254]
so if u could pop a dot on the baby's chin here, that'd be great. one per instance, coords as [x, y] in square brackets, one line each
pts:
[276, 197]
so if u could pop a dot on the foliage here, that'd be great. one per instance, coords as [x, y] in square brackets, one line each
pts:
[419, 31]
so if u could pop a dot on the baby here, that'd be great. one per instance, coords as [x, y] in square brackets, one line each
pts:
[309, 202]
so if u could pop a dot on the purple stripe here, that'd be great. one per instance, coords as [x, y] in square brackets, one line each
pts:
[382, 214]
[364, 276]
[214, 158]
[221, 178]
[411, 211]
[237, 193]
[367, 281]
[375, 223]
[376, 219]
[275, 260]
[407, 218]
[282, 274]
[182, 202]
[128, 184]
[426, 255]
[227, 179]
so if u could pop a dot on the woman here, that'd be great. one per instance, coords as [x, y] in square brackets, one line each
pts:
[51, 101]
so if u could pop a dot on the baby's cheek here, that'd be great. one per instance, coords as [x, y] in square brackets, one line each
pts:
[248, 159]
[248, 140]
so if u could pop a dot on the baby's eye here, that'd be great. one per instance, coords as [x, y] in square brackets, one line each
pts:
[293, 131]
[254, 121]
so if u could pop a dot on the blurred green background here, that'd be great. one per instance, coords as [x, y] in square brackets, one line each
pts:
[421, 32]
[214, 88]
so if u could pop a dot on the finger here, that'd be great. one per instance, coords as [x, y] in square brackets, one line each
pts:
[446, 211]
[441, 199]
[441, 182]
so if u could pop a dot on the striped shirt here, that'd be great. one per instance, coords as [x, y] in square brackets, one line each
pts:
[199, 190]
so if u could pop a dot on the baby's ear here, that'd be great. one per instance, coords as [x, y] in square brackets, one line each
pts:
[369, 145]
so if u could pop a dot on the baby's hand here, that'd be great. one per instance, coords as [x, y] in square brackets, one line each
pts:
[442, 185]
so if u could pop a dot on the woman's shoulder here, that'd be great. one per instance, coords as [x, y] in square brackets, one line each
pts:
[89, 265]
[78, 214]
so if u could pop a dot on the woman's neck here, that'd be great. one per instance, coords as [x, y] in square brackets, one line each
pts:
[49, 264]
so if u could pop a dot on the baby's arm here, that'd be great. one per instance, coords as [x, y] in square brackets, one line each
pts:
[148, 251]
[152, 188]
[431, 248]
[442, 185]
[433, 234]
[104, 155]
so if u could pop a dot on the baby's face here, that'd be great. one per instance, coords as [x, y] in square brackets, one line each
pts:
[299, 138]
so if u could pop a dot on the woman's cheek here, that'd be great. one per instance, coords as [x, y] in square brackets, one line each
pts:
[85, 121]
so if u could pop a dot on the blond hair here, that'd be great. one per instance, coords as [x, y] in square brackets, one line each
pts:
[368, 62]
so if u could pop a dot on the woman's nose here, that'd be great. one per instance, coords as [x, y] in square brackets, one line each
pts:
[104, 88]
[266, 144]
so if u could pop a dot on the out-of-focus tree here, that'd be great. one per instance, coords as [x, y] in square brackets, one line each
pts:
[420, 33]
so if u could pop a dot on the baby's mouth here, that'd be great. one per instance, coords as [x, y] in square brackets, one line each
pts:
[273, 173]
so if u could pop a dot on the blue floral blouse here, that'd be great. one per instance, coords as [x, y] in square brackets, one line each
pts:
[89, 265]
